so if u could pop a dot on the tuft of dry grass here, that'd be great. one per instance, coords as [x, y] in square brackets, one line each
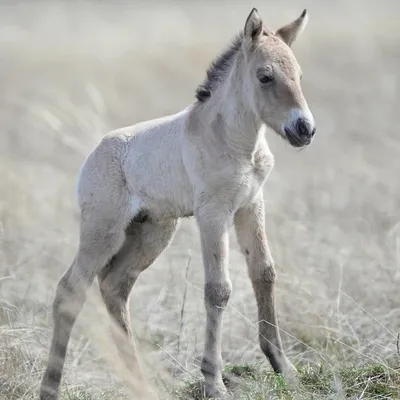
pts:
[70, 71]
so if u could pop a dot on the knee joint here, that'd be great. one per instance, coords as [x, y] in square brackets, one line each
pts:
[265, 273]
[217, 293]
[268, 273]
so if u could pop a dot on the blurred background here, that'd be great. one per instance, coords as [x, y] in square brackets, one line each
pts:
[71, 71]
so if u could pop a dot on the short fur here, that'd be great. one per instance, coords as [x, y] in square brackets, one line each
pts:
[210, 160]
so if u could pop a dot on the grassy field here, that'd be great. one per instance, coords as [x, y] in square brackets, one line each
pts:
[71, 71]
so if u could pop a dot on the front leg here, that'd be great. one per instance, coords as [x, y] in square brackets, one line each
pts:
[250, 230]
[214, 242]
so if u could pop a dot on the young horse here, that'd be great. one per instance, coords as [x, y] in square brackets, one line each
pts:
[209, 160]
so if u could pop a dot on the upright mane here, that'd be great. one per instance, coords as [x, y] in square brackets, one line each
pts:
[218, 69]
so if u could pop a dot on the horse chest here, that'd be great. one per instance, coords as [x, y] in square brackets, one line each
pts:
[253, 183]
[262, 163]
[254, 176]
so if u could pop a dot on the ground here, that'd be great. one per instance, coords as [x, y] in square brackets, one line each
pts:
[72, 71]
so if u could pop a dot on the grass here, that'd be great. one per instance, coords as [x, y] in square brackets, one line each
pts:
[21, 369]
[253, 382]
[81, 394]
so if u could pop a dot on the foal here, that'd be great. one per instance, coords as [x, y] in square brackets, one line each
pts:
[209, 160]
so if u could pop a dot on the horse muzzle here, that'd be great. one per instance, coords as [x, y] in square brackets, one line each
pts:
[300, 133]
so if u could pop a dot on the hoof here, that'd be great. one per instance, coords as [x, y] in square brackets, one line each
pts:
[48, 394]
[289, 370]
[282, 365]
[215, 391]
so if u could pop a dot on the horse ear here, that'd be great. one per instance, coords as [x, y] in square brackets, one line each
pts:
[290, 32]
[253, 26]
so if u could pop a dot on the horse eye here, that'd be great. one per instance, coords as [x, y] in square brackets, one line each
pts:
[265, 78]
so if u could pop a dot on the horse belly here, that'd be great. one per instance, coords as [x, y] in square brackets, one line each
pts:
[163, 192]
[165, 205]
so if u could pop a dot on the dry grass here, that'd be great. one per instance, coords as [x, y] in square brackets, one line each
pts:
[71, 71]
[253, 382]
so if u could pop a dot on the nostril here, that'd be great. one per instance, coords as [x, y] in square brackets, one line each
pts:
[302, 128]
[313, 131]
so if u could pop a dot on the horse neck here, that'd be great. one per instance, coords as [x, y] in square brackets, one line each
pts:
[242, 128]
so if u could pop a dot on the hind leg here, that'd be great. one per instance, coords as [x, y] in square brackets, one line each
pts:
[99, 241]
[143, 244]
